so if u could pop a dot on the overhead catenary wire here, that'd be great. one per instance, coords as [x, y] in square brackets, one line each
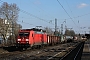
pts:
[35, 16]
[25, 23]
[44, 11]
[77, 16]
[71, 12]
[49, 21]
[63, 19]
[31, 15]
[22, 20]
[66, 11]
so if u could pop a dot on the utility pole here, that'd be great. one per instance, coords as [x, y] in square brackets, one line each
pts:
[61, 29]
[61, 32]
[55, 26]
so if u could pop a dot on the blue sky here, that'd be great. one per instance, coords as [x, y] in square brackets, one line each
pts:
[43, 13]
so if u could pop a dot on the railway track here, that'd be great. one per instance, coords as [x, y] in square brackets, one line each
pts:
[86, 51]
[51, 52]
[3, 51]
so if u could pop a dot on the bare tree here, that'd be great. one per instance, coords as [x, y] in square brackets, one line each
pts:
[69, 32]
[16, 29]
[49, 31]
[72, 33]
[9, 14]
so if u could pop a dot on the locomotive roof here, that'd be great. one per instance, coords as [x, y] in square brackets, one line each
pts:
[34, 29]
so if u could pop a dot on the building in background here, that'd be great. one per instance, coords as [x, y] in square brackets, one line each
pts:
[5, 28]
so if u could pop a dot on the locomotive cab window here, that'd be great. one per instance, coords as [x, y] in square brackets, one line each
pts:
[23, 34]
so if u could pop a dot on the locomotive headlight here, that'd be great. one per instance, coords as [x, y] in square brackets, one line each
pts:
[19, 39]
[27, 39]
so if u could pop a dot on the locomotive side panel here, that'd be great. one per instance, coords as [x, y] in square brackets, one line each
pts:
[37, 39]
[31, 38]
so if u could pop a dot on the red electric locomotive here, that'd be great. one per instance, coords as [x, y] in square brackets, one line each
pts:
[31, 37]
[35, 37]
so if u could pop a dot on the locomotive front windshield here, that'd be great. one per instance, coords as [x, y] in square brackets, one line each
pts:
[22, 34]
